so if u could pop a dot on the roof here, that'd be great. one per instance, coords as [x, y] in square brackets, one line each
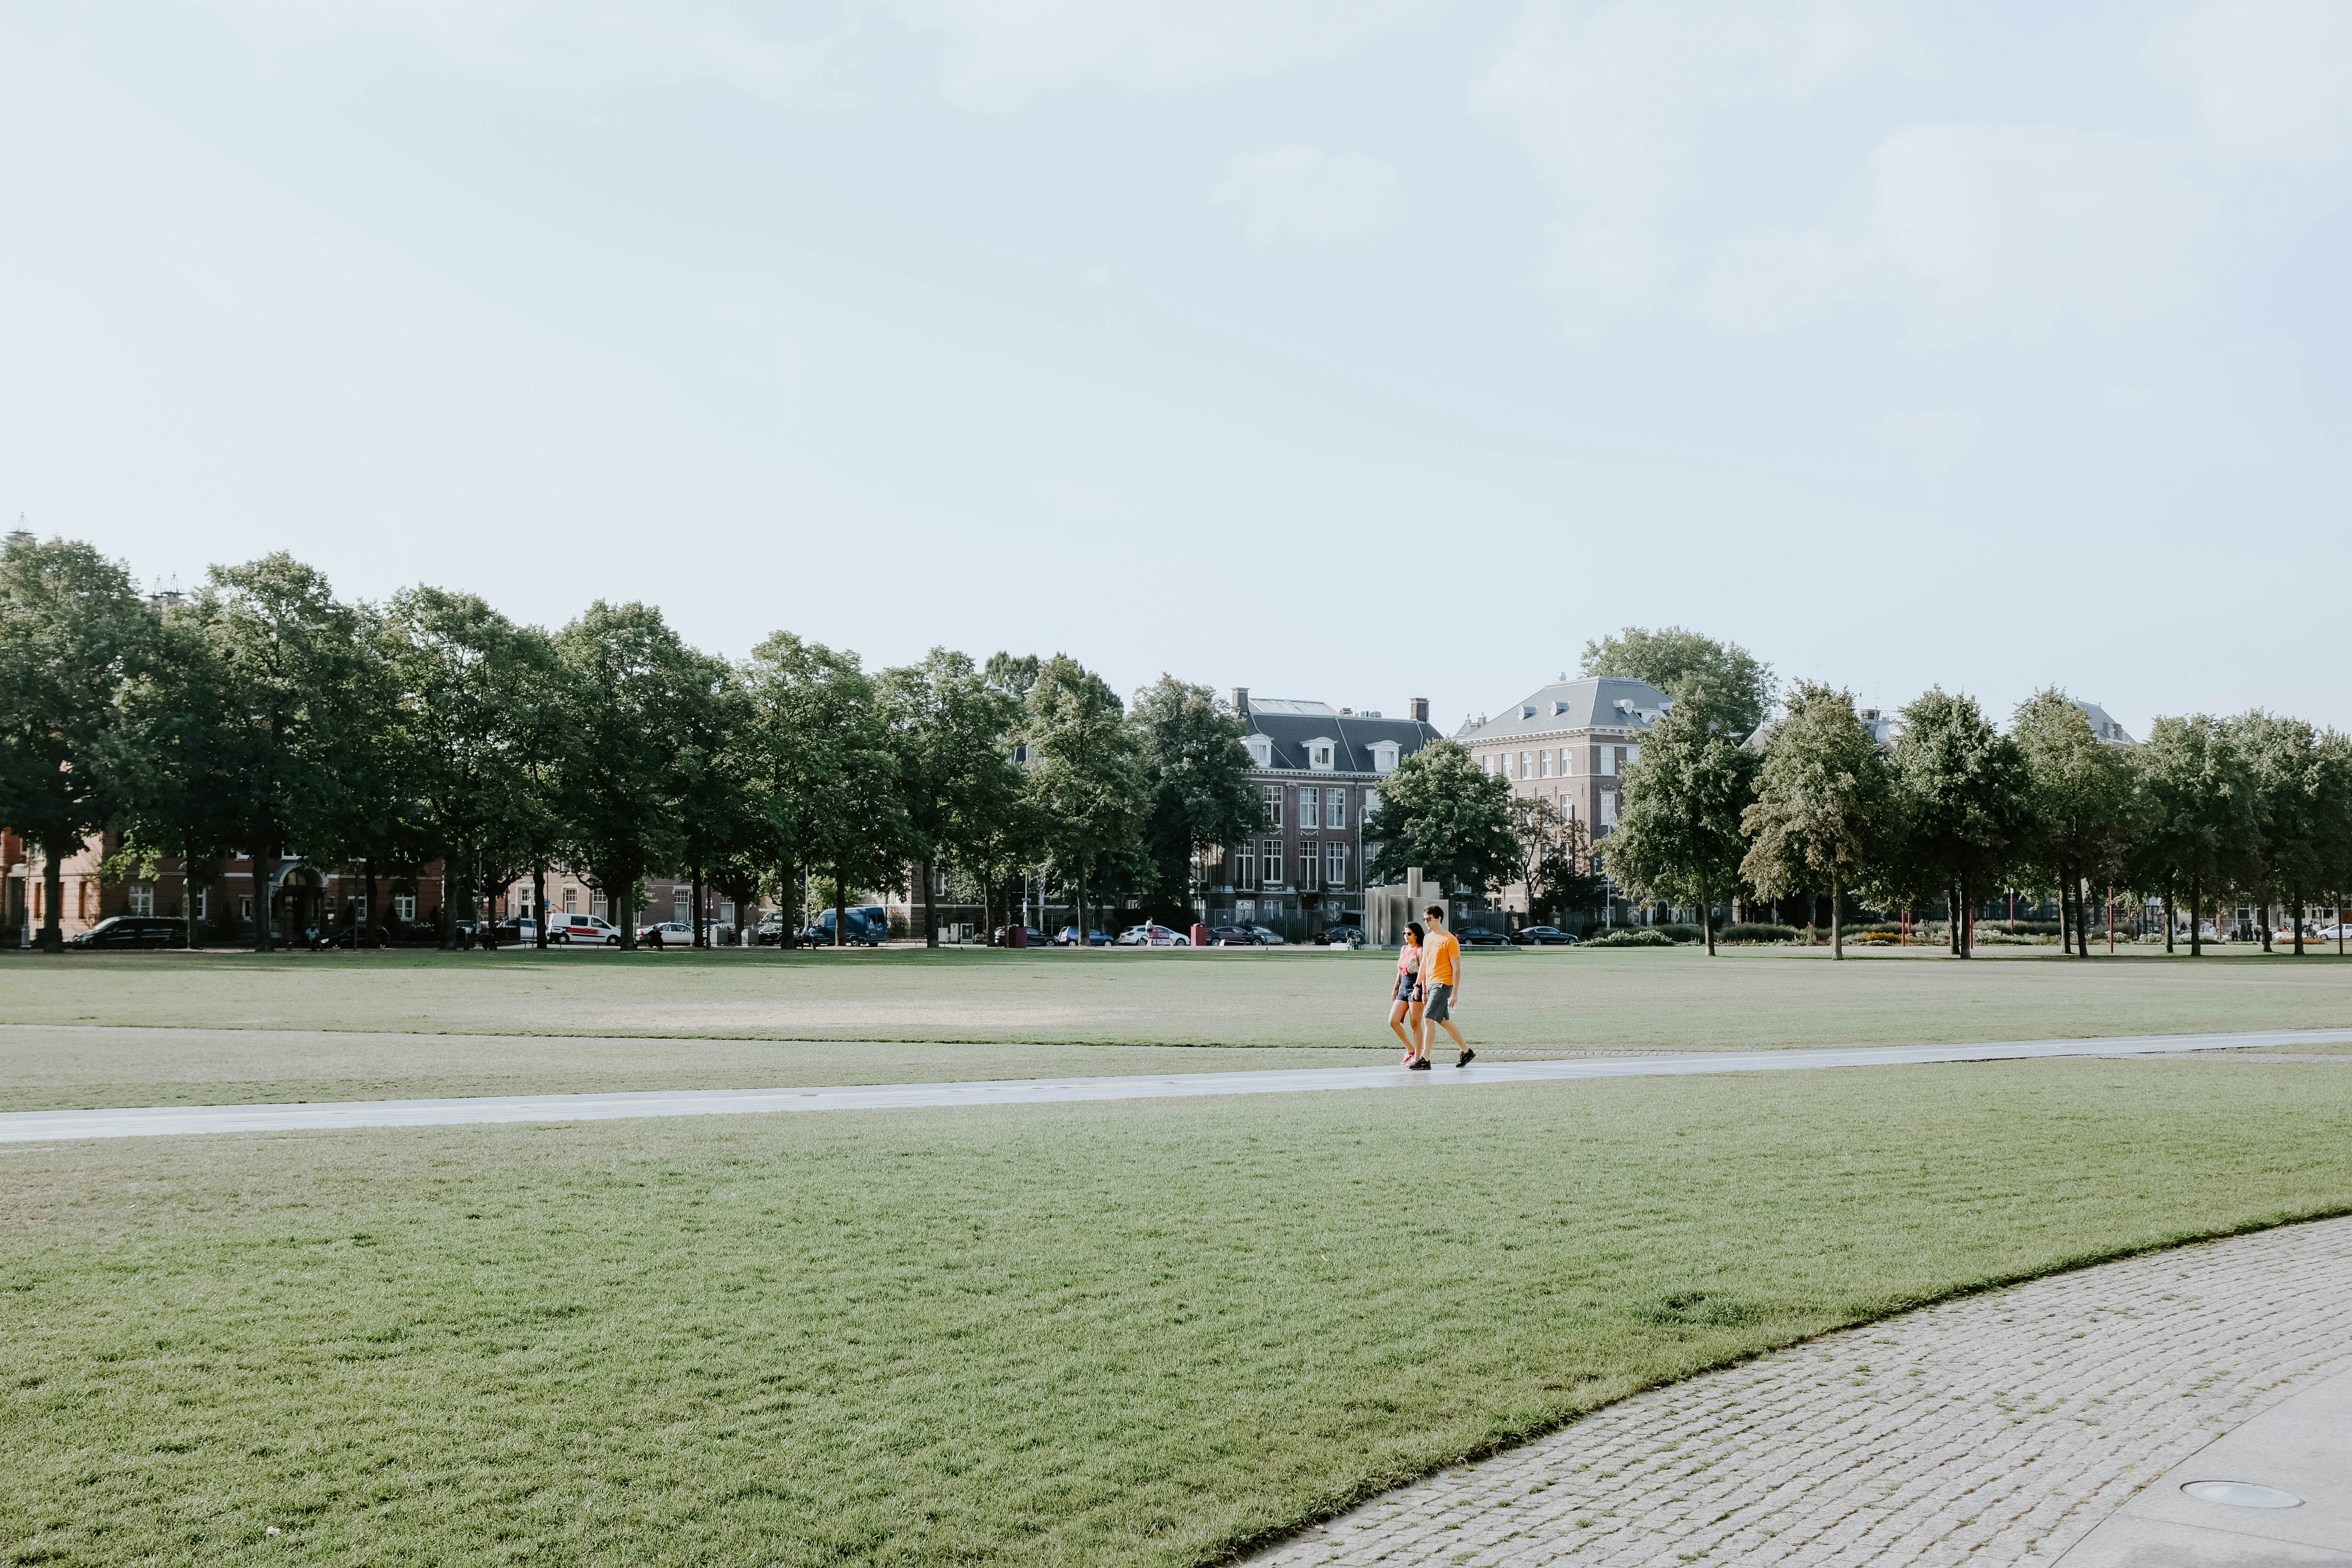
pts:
[1290, 726]
[1588, 702]
[2104, 726]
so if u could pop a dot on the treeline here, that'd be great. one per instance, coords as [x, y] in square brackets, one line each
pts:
[262, 712]
[2255, 809]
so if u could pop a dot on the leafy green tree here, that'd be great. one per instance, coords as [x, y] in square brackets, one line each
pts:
[720, 823]
[630, 689]
[176, 752]
[1015, 677]
[951, 732]
[2288, 857]
[468, 686]
[1740, 685]
[2335, 827]
[824, 775]
[1086, 777]
[72, 631]
[1822, 803]
[298, 666]
[2078, 793]
[1563, 877]
[1678, 837]
[1198, 772]
[2195, 803]
[1440, 811]
[1960, 794]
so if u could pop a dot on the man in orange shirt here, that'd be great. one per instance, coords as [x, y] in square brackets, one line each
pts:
[1441, 973]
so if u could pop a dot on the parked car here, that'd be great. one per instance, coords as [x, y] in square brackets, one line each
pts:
[1267, 936]
[132, 931]
[1340, 936]
[1002, 936]
[1232, 936]
[517, 931]
[668, 933]
[1544, 936]
[568, 930]
[867, 927]
[1150, 934]
[1068, 937]
[2327, 933]
[1479, 936]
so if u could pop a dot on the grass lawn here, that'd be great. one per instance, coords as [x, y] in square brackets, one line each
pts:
[1056, 1334]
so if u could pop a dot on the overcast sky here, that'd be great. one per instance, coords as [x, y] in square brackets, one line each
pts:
[1351, 350]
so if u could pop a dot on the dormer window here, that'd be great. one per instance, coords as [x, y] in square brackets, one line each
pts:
[1527, 709]
[1319, 752]
[1558, 705]
[1384, 757]
[1261, 750]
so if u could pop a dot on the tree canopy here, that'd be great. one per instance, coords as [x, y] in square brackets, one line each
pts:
[1821, 801]
[1440, 811]
[1679, 836]
[1673, 658]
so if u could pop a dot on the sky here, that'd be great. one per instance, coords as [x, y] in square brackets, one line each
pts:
[1345, 350]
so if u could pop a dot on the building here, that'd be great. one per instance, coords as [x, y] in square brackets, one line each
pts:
[1317, 770]
[1570, 742]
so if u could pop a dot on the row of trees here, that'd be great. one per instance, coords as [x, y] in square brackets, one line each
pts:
[2254, 809]
[264, 713]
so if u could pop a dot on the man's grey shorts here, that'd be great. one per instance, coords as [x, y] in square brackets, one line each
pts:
[1440, 1004]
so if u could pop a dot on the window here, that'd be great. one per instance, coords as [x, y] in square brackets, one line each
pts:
[245, 909]
[142, 897]
[204, 903]
[1523, 766]
[570, 900]
[1384, 757]
[1335, 808]
[1609, 808]
[1335, 865]
[596, 906]
[1306, 812]
[1261, 750]
[404, 905]
[1319, 754]
[1308, 864]
[1271, 795]
[1270, 851]
[1543, 764]
[1607, 762]
[522, 901]
[727, 912]
[1633, 755]
[683, 898]
[1245, 864]
[1563, 761]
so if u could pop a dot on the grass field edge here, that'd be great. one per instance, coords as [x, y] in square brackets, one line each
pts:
[1240, 1546]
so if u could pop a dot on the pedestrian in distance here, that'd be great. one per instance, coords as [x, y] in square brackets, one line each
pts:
[1441, 976]
[1406, 1001]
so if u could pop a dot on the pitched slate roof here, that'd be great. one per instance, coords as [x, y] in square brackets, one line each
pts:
[1588, 702]
[1291, 725]
[2104, 726]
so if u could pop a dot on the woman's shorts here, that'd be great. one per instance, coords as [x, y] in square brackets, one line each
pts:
[1407, 988]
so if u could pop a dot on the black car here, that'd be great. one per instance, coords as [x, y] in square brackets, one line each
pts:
[1232, 936]
[132, 931]
[1546, 936]
[1340, 936]
[1481, 936]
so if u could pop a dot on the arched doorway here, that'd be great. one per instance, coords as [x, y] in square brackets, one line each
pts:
[298, 904]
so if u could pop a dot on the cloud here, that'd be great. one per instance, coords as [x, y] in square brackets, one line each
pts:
[1003, 51]
[1612, 104]
[1934, 439]
[1304, 193]
[1983, 232]
[2269, 80]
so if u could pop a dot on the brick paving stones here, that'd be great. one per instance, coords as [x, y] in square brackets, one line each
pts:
[1997, 1429]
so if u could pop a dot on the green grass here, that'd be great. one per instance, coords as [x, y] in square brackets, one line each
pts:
[301, 1023]
[1061, 1334]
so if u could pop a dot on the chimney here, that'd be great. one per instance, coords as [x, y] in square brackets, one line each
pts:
[1241, 701]
[1419, 708]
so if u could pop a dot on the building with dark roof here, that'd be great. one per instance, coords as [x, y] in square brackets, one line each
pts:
[1317, 770]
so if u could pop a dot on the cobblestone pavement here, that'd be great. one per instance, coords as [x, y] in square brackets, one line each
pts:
[1997, 1429]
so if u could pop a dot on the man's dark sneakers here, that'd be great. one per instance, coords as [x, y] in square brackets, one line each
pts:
[1466, 1054]
[1421, 1066]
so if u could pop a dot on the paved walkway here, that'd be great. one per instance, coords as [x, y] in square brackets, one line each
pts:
[43, 1126]
[2053, 1420]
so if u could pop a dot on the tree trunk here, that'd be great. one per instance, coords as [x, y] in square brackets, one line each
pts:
[1078, 893]
[2296, 914]
[2168, 921]
[788, 921]
[53, 882]
[1837, 918]
[930, 905]
[1706, 920]
[1952, 919]
[453, 898]
[617, 904]
[188, 899]
[2065, 918]
[262, 891]
[840, 908]
[2196, 919]
[2262, 918]
[697, 873]
[538, 905]
[1961, 927]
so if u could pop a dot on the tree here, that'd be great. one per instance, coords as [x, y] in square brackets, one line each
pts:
[296, 666]
[1820, 806]
[1960, 798]
[2078, 802]
[629, 688]
[2289, 854]
[2195, 805]
[1741, 686]
[1678, 837]
[718, 822]
[2334, 834]
[1086, 778]
[823, 776]
[73, 630]
[1563, 877]
[174, 753]
[951, 733]
[1198, 775]
[469, 686]
[1440, 811]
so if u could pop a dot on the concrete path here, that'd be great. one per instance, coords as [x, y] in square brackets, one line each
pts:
[38, 1126]
[2053, 1422]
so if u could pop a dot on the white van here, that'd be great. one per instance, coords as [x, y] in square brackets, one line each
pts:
[569, 928]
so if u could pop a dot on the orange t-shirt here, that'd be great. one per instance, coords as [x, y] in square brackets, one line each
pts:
[1444, 960]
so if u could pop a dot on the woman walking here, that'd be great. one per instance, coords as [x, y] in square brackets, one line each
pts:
[1407, 998]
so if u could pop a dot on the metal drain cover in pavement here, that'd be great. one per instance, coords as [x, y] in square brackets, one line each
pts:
[2242, 1494]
